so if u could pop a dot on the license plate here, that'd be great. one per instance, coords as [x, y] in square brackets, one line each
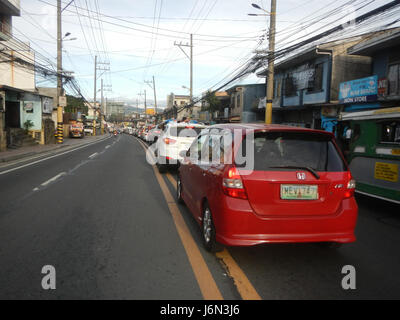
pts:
[299, 192]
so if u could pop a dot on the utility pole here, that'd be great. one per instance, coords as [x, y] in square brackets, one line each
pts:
[191, 69]
[152, 85]
[102, 109]
[94, 98]
[190, 57]
[95, 92]
[145, 104]
[59, 76]
[155, 95]
[271, 58]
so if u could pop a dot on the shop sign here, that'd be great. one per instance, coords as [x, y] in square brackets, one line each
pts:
[359, 91]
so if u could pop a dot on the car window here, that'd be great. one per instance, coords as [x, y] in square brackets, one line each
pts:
[216, 148]
[188, 131]
[293, 149]
[198, 145]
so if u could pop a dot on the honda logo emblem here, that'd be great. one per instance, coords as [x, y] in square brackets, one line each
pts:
[301, 176]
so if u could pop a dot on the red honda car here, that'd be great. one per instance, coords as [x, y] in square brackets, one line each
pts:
[248, 184]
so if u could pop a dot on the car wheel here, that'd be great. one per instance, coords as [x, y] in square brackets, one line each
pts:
[208, 231]
[162, 168]
[179, 190]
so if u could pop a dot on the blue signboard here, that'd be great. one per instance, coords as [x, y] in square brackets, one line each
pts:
[359, 91]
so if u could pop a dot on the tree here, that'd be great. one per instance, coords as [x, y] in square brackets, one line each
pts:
[76, 104]
[213, 103]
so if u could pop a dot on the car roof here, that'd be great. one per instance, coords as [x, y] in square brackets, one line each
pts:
[265, 127]
[184, 124]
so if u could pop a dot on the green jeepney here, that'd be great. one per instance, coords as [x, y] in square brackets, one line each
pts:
[373, 151]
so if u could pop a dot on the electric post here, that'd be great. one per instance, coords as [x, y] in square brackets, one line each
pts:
[95, 92]
[155, 95]
[102, 109]
[191, 69]
[145, 107]
[271, 58]
[94, 98]
[59, 134]
[190, 57]
[152, 85]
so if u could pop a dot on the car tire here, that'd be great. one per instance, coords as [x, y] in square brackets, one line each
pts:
[162, 168]
[179, 190]
[208, 231]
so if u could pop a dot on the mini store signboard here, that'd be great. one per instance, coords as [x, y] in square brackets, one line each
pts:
[359, 91]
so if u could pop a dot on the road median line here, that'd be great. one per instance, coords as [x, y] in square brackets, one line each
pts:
[53, 179]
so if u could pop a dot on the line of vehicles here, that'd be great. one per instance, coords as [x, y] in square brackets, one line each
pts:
[250, 184]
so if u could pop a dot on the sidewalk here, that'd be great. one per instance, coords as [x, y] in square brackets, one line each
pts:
[24, 152]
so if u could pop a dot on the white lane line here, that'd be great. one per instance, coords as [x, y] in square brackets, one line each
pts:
[93, 155]
[53, 179]
[108, 146]
[56, 155]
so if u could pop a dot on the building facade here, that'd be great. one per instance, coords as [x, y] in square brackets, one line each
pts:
[244, 103]
[8, 9]
[306, 85]
[175, 104]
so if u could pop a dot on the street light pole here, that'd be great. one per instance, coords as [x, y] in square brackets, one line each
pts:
[271, 57]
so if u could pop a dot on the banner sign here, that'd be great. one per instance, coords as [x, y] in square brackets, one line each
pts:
[382, 87]
[359, 91]
[47, 105]
[303, 76]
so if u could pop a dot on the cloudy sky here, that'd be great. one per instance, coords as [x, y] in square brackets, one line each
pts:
[137, 39]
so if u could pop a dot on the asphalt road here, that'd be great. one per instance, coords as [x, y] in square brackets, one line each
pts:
[101, 217]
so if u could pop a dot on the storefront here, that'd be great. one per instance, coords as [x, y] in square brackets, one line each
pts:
[23, 111]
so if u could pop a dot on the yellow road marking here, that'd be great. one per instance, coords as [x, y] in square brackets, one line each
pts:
[171, 179]
[242, 283]
[205, 280]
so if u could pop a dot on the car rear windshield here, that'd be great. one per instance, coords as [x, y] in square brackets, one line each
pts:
[277, 150]
[188, 131]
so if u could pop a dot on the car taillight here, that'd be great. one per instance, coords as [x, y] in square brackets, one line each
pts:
[350, 188]
[169, 141]
[232, 184]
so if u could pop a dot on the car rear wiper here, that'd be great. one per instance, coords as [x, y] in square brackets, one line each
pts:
[314, 173]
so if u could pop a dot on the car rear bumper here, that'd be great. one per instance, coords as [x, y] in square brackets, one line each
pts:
[238, 225]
